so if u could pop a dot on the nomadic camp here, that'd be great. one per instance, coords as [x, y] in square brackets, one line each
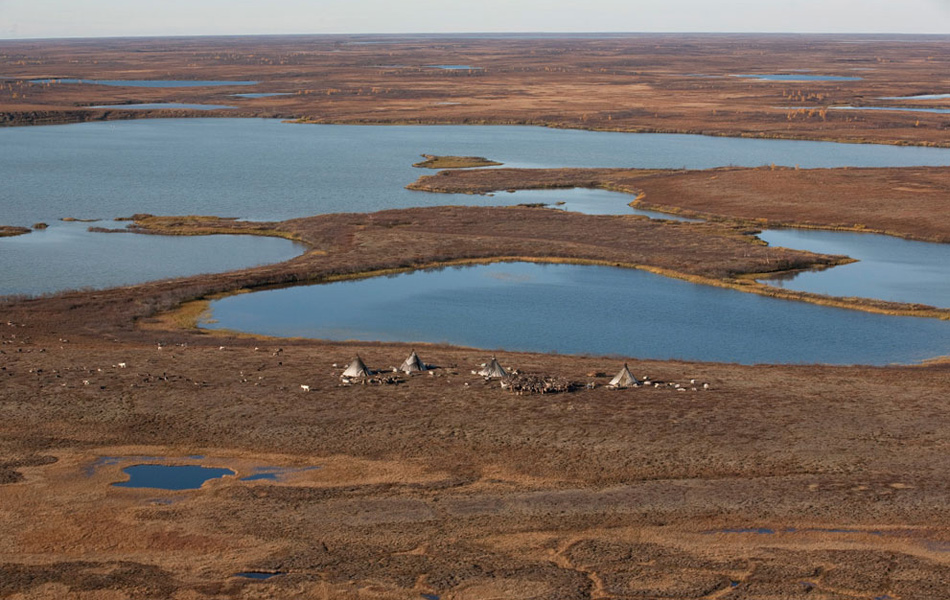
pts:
[493, 369]
[357, 369]
[413, 364]
[624, 379]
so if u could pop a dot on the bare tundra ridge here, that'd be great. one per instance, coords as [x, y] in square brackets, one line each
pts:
[768, 482]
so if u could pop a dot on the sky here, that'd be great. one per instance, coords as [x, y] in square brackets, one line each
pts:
[20, 19]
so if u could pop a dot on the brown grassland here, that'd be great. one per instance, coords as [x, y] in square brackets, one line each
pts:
[780, 481]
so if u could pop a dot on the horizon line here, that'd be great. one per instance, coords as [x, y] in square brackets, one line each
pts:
[552, 34]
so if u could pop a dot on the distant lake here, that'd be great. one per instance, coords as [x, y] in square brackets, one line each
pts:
[454, 67]
[161, 105]
[582, 309]
[919, 97]
[894, 108]
[153, 83]
[799, 77]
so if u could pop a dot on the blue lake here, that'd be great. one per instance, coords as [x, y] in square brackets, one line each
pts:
[153, 83]
[888, 268]
[582, 309]
[161, 105]
[168, 477]
[264, 169]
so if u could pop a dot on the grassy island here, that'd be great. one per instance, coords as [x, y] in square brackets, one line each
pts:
[454, 162]
[11, 230]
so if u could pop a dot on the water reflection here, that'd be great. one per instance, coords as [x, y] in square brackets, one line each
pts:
[582, 309]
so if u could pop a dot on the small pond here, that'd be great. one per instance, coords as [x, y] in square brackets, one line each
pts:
[161, 105]
[798, 77]
[259, 575]
[152, 83]
[170, 477]
[888, 268]
[582, 309]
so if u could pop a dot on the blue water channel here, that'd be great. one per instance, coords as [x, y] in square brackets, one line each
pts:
[582, 309]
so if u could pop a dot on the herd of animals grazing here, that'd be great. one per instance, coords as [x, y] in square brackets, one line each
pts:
[356, 372]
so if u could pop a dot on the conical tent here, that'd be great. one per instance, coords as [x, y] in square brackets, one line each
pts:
[413, 364]
[357, 368]
[624, 378]
[493, 369]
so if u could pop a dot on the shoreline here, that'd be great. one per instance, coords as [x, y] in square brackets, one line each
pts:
[13, 120]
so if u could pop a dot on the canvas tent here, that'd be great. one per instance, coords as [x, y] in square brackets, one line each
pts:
[413, 364]
[493, 369]
[624, 378]
[357, 369]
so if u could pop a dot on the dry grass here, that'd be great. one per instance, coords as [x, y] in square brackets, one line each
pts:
[435, 486]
